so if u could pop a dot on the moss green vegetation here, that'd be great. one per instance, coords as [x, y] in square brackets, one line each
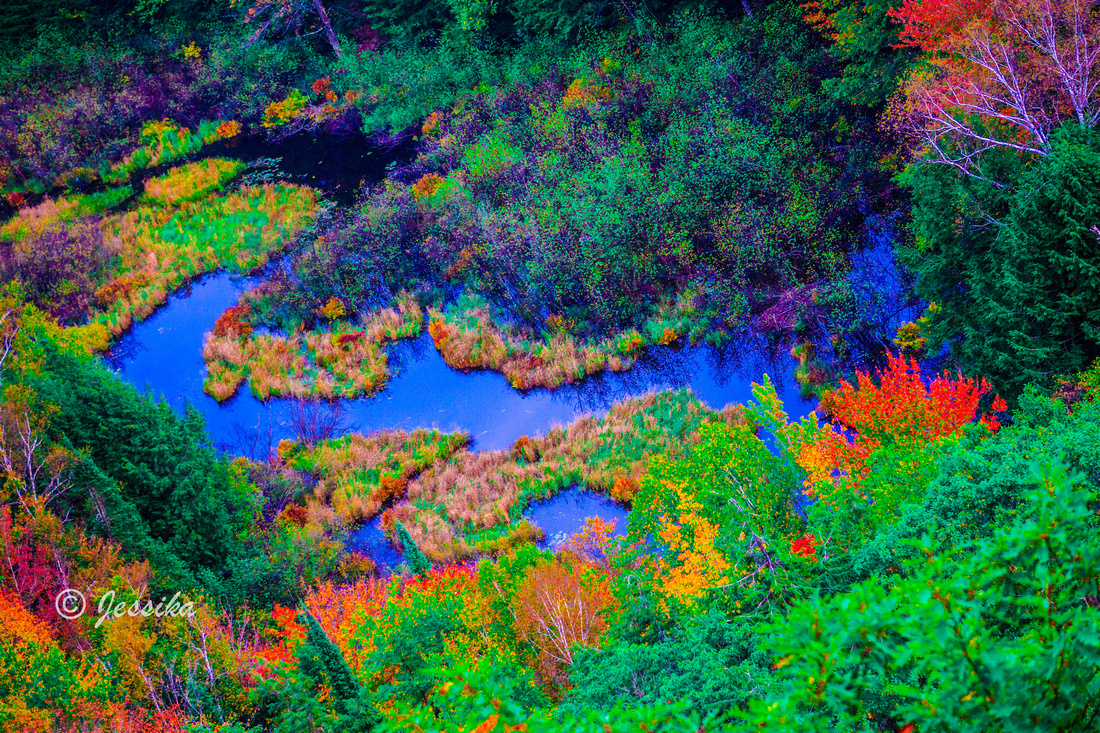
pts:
[459, 503]
[573, 214]
[468, 337]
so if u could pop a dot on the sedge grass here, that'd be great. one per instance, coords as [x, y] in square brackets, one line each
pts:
[467, 337]
[477, 491]
[359, 474]
[342, 362]
[192, 181]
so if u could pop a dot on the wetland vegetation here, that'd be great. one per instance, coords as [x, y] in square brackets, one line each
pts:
[526, 244]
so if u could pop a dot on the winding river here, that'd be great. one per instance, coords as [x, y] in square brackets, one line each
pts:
[163, 355]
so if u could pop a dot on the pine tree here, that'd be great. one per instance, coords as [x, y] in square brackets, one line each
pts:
[1019, 300]
[323, 662]
[418, 563]
[1047, 304]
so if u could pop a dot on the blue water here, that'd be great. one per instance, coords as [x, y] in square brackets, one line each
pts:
[564, 515]
[163, 354]
[369, 540]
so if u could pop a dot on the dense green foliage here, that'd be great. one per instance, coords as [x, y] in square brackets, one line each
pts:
[322, 661]
[979, 483]
[651, 168]
[707, 661]
[1017, 282]
[994, 638]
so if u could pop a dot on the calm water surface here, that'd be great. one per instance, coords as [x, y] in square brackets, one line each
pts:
[564, 515]
[163, 355]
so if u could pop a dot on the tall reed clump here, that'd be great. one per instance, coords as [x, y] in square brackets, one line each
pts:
[163, 141]
[348, 364]
[191, 181]
[360, 474]
[476, 491]
[344, 361]
[467, 337]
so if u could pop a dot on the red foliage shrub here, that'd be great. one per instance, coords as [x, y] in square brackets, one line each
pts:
[294, 514]
[901, 407]
[525, 448]
[234, 321]
[348, 338]
[805, 547]
[120, 288]
[391, 487]
[322, 86]
[901, 413]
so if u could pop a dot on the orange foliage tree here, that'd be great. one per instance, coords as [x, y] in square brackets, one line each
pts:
[361, 617]
[596, 541]
[560, 605]
[999, 74]
[873, 453]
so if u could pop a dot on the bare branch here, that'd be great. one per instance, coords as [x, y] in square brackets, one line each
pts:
[1003, 81]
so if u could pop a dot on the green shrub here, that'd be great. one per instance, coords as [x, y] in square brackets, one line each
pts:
[998, 638]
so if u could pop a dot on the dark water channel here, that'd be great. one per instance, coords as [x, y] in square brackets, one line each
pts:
[335, 165]
[163, 354]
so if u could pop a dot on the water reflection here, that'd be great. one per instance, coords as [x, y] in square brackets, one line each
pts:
[564, 515]
[164, 355]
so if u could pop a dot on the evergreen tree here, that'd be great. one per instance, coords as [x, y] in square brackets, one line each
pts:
[149, 477]
[1048, 257]
[1016, 272]
[323, 662]
[418, 563]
